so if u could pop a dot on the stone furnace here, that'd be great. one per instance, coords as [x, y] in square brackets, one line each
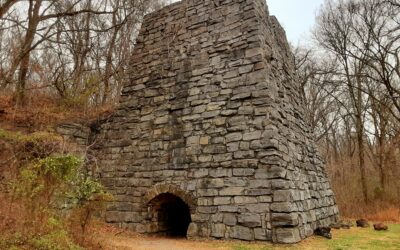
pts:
[210, 139]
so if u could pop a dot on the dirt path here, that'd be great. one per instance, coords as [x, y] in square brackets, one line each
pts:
[144, 243]
[125, 240]
[131, 241]
[354, 238]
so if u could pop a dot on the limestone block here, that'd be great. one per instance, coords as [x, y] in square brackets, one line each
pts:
[242, 233]
[249, 220]
[286, 235]
[218, 230]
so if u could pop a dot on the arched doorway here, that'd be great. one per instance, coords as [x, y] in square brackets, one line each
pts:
[170, 215]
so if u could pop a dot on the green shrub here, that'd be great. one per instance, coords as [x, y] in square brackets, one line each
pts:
[89, 198]
[45, 179]
[57, 238]
[43, 183]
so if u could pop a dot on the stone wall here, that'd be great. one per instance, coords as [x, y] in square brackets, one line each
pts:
[75, 132]
[212, 113]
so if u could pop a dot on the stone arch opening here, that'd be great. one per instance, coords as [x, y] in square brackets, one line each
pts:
[170, 215]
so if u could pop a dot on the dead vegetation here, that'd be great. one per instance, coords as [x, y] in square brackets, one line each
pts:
[48, 201]
[44, 111]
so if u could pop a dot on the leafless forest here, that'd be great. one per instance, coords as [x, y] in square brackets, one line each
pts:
[351, 84]
[76, 51]
[74, 54]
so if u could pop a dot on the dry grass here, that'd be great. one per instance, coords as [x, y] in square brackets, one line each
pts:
[13, 215]
[43, 111]
[375, 211]
[390, 214]
[346, 184]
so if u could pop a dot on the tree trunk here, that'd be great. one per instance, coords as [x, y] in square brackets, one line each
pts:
[6, 6]
[108, 70]
[381, 162]
[33, 21]
[361, 160]
[360, 138]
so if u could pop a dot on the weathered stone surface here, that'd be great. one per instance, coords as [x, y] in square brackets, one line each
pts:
[229, 219]
[284, 219]
[232, 191]
[250, 220]
[218, 230]
[75, 132]
[211, 114]
[222, 200]
[260, 234]
[242, 233]
[192, 230]
[243, 172]
[287, 235]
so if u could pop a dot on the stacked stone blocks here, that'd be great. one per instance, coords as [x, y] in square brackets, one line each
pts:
[212, 113]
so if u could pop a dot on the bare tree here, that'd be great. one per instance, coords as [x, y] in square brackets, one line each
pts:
[361, 38]
[86, 39]
[334, 32]
[5, 6]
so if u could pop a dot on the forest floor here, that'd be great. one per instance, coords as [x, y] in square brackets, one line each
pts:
[354, 238]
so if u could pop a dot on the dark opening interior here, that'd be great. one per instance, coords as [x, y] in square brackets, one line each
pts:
[170, 215]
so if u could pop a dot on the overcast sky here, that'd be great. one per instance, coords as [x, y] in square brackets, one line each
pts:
[296, 16]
